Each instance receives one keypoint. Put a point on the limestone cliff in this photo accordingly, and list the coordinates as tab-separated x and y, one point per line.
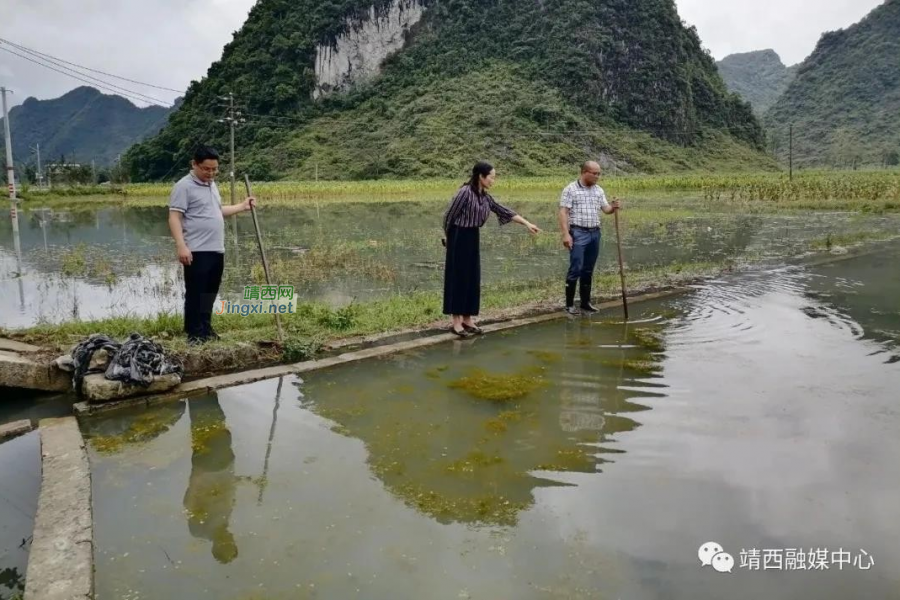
356	55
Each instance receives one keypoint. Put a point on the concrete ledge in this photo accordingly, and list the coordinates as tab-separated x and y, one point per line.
61	561
19	371
191	388
16	428
205	386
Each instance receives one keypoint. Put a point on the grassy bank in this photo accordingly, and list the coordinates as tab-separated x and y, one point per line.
313	325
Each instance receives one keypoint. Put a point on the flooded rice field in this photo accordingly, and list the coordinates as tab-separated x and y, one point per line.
83	264
582	458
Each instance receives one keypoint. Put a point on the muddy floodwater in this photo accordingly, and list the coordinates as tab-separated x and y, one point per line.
580	458
91	263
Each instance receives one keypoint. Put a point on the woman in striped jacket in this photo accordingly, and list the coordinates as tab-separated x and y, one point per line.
468	212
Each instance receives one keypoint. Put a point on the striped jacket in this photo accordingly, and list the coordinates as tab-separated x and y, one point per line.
471	209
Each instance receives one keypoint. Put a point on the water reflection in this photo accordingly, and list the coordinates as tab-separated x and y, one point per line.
12	583
112	433
471	440
209	499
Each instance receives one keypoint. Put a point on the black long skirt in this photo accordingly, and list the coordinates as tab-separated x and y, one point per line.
462	271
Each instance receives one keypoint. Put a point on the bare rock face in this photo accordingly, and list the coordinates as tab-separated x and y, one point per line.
97	388
357	55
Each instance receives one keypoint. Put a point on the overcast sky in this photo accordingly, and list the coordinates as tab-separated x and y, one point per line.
169	42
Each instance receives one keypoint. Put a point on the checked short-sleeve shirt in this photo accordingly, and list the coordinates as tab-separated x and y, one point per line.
584	204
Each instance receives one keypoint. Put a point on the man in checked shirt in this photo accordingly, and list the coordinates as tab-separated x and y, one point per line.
579	221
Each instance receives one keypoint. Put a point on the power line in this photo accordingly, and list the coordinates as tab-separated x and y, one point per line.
110	87
105	85
82	67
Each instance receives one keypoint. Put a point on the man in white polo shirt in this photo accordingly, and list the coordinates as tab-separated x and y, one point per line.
579	221
197	223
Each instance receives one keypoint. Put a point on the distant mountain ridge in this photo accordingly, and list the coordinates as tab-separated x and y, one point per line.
844	104
83	124
758	77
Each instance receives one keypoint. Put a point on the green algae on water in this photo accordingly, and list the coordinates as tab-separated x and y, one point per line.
474	460
649	340
569	460
493	509
143	428
642	367
500	423
500	387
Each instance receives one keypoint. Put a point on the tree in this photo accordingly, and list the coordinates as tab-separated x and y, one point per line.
892	158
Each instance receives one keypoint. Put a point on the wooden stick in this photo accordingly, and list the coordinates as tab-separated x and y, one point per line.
262	253
621	266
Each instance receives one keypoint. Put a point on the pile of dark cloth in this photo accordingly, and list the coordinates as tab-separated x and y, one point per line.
136	361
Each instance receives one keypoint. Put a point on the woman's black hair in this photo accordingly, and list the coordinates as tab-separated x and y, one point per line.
481	169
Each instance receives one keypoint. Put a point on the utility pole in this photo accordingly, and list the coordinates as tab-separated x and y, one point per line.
11	182
40	172
791	154
231	142
93	173
232	119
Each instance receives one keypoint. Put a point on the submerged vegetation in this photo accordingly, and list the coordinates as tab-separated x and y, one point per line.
498	387
459	461
134	429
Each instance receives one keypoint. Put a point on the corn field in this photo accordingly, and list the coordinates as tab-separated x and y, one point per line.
880	186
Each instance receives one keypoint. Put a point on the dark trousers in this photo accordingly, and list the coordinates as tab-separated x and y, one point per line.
583	256
462	272
201	286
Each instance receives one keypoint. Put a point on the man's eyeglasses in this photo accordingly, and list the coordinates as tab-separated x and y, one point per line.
210	170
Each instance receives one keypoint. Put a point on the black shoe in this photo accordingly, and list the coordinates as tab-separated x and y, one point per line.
573	311
463	334
194	340
589	308
474	329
